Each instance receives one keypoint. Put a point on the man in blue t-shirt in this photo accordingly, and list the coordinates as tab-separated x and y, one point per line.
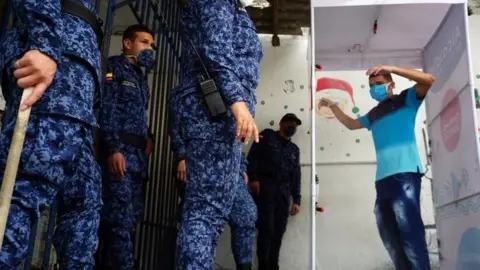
399	169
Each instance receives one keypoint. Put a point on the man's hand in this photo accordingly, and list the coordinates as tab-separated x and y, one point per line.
117	164
149	148
327	102
295	209
182	171
245	177
246	127
254	187
37	70
379	70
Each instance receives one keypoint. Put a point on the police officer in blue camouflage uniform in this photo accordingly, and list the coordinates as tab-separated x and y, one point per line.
274	171
243	215
227	44
126	144
57	53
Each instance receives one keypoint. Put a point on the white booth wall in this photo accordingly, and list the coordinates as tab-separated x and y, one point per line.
347	237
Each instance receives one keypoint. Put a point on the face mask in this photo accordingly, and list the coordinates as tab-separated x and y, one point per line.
379	92
246	3
145	58
290	131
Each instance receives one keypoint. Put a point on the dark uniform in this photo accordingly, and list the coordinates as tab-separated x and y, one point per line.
124	126
57	156
225	37
275	163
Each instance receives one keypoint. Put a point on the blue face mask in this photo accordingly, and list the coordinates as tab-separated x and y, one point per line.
379	92
145	58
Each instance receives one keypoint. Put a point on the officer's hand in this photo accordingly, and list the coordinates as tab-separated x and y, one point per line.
295	209
245	177
246	127
117	164
182	171
326	102
149	148
254	187
34	69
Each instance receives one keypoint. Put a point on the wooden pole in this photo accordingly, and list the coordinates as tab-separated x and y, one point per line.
11	167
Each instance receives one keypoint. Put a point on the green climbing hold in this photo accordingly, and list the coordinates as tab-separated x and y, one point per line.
357	140
477	98
285	107
363	86
355	110
478	76
272	123
322	148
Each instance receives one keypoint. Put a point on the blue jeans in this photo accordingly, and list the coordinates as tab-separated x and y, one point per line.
399	220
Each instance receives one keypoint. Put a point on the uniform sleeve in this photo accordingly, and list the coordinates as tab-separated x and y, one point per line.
109	114
176	135
244	164
411	99
216	20
297	180
45	26
364	121
254	158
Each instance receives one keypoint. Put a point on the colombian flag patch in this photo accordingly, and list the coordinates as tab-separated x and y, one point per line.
109	77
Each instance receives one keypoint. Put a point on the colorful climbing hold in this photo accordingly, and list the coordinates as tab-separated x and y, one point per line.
272	123
322	148
262	102
285	107
302	109
363	86
348	154
478	76
357	140
301	86
308	132
355	110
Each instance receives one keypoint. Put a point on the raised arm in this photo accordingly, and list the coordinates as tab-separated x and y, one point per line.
343	118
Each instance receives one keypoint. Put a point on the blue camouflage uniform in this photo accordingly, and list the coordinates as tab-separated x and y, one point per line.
124	112
226	38
57	157
242	219
275	163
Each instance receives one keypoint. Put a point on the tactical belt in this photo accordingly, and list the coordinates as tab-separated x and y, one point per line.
134	140
77	9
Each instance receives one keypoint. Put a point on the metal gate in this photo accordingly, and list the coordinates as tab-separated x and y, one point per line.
155	236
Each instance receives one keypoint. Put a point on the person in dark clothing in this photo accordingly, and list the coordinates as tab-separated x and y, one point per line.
274	173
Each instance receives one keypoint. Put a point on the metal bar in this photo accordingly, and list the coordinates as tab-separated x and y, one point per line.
31	245
124	3
50	234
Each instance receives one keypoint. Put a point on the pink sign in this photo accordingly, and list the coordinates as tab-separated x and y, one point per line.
451	120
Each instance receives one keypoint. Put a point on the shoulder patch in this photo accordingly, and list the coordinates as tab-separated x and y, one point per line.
109	76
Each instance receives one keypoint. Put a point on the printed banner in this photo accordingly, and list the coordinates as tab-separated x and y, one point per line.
453	133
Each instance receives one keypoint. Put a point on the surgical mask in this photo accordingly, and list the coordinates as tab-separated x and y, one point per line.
246	3
379	92
290	131
144	58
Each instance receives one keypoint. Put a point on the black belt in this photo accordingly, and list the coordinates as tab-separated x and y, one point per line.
77	9
134	140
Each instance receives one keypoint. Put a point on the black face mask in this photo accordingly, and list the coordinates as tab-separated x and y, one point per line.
290	131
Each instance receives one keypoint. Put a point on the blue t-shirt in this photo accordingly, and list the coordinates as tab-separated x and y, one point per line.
392	123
